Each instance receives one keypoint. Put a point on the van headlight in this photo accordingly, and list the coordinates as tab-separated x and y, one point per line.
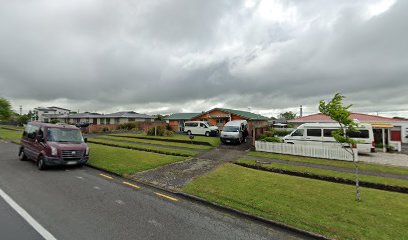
54	151
87	151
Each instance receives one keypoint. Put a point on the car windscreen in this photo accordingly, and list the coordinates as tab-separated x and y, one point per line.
230	129
64	135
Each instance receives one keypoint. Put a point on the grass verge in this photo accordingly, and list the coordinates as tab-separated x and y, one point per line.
362	166
326	208
10	134
157	142
124	161
161	150
328	173
213	141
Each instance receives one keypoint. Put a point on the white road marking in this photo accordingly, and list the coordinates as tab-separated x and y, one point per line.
24	214
154	223
120	202
79	177
97	188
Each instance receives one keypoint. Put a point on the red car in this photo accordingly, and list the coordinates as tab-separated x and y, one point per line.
53	145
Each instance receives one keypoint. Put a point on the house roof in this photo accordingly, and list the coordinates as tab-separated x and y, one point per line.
244	114
128	114
320	117
182	116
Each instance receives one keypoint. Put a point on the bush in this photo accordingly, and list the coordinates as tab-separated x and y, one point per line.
168	127
270	139
105	129
160	131
128	126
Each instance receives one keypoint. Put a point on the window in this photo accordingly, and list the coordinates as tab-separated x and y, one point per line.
108	121
116	120
328	132
220	121
314	132
359	134
298	133
203	125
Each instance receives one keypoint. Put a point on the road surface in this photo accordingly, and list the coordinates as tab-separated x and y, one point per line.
80	203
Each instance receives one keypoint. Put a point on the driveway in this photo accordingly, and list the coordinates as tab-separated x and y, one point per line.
176	176
394	159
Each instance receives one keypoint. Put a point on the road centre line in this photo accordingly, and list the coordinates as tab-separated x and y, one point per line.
27	217
165	196
132	185
106	176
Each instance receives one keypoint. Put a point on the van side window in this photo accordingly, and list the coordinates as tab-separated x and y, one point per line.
298	133
359	134
328	132
26	130
202	125
314	132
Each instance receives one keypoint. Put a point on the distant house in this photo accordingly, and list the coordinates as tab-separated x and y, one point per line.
217	117
43	114
394	129
104	119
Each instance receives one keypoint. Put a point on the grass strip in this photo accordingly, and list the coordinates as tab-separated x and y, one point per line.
211	141
10	134
383	183
125	161
322	207
157	142
362	166
161	150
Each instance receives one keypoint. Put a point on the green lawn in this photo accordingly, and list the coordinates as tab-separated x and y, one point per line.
126	161
145	147
330	173
337	163
318	206
10	134
158	142
214	141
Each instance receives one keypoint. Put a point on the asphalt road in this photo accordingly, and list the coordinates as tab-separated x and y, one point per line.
79	203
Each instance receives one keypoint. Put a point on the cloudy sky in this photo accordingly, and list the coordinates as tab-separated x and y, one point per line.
164	56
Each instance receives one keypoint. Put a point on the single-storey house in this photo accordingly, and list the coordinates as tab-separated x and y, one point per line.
393	129
104	119
218	117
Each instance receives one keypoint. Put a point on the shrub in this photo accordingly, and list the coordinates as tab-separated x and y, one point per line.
168	127
271	139
105	129
160	131
128	126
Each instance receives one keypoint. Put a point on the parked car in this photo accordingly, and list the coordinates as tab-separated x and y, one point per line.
53	144
82	124
235	131
322	133
200	128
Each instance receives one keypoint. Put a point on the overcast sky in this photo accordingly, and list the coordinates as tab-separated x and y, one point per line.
188	56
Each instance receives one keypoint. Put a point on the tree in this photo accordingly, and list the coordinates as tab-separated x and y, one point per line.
5	109
22	119
287	115
339	113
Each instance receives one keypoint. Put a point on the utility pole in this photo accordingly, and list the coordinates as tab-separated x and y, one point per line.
301	111
21	110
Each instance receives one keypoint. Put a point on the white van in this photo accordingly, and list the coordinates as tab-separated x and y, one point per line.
322	133
234	131
200	128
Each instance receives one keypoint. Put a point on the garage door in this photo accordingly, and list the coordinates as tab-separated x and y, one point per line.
396	136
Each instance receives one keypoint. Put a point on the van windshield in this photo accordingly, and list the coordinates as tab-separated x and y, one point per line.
230	129
64	135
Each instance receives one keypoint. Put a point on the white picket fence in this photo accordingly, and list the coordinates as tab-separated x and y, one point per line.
317	150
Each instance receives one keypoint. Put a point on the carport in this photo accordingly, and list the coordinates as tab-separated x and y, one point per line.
382	133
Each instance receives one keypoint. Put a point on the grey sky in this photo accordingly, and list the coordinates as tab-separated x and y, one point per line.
170	56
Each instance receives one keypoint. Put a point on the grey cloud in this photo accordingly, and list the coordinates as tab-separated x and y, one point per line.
107	55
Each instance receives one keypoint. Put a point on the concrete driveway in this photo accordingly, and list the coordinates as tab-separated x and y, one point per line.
394	159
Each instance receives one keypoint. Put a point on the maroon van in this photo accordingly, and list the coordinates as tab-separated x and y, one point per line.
53	145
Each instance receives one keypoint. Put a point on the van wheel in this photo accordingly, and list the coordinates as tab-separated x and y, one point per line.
207	134
188	132
22	156
41	163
